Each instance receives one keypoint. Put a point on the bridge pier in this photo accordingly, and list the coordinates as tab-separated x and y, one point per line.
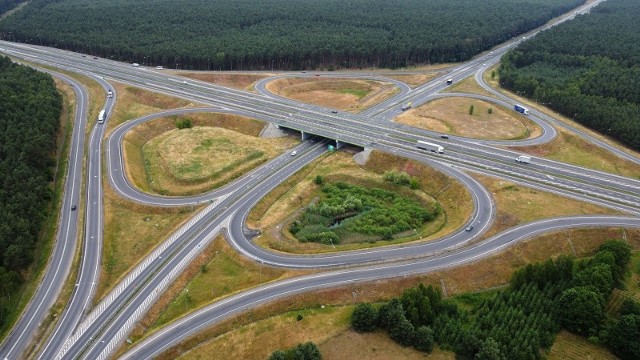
305	135
339	144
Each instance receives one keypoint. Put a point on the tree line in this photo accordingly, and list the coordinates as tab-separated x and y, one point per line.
520	321
6	5
30	108
587	69
278	34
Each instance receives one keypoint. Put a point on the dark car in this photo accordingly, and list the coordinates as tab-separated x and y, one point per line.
444	136
73	208
334	111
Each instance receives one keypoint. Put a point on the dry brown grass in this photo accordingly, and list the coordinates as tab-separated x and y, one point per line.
573	347
134	102
192	161
518	204
131	231
274	212
374	346
351	95
478	276
468	85
414	80
572	149
451	115
258	340
152	167
235	81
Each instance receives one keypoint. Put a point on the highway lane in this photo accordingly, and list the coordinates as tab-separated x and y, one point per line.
199	320
620	153
18	341
89	270
160	266
261	85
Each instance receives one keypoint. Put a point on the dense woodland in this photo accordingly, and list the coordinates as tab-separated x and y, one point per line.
278	34
30	109
587	69
520	321
6	5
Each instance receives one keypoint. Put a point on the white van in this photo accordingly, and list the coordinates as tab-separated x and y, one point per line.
136	64
158	67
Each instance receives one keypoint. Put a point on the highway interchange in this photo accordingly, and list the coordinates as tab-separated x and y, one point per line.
87	332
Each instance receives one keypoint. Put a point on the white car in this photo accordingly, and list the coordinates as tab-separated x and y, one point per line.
135	64
159	67
294	153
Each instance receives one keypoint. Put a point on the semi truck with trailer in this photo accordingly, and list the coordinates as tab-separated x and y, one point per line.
430	146
101	116
521	109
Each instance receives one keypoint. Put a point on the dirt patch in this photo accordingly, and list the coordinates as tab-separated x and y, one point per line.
350	95
415	80
235	81
452	116
374	346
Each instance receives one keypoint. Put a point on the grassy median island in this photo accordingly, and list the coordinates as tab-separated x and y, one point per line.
470	118
352	95
162	159
275	214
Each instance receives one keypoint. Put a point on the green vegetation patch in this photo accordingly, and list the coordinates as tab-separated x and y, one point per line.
279	34
344	210
521	320
586	69
29	123
356	92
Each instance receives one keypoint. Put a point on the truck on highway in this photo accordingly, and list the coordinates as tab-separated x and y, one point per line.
449	81
407	106
524	159
101	116
110	93
521	109
430	146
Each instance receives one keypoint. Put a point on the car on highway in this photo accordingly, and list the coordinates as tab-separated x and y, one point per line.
294	153
135	64
444	136
95	57
110	93
73	208
449	81
334	111
469	228
159	67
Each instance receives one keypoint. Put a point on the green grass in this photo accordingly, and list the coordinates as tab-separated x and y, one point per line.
358	93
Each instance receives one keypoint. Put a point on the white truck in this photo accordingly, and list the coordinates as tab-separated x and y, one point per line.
524	159
430	146
102	116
